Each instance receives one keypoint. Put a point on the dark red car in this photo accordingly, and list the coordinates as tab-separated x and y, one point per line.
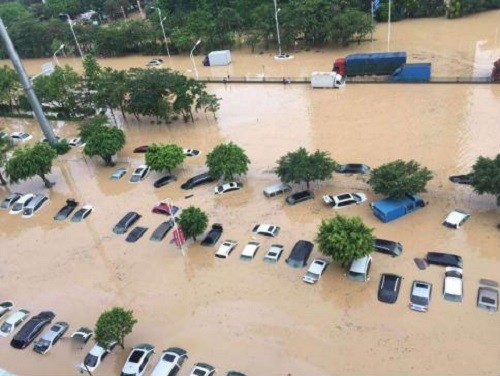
164	208
141	149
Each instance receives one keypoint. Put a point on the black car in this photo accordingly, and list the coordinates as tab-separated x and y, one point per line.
444	259
10	200
126	222
300	254
161	231
353	168
388	288
66	210
167	179
31	329
198	180
299	197
213	235
388	247
461	179
136	234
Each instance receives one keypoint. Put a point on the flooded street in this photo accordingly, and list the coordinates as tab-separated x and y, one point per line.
259	318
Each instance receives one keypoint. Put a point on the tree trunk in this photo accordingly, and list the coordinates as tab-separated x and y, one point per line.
46	181
194	238
191	114
123	112
107	160
2	179
122	340
498	199
307	182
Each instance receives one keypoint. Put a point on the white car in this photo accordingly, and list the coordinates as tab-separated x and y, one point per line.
82	335
21	204
456	219
139	173
315	270
344	199
77	141
202	369
273	254
138	360
50	337
154	63
34	205
453	289
226	248
18	137
13	321
267	230
191	152
170	362
228	187
249	251
5	307
95	356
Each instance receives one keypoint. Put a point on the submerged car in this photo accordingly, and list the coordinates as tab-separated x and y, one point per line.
345	199
388	247
462	179
167	179
13	321
266	230
202	369
353	168
161	231
18	137
95	356
77	141
82	213
126	222
21	203
165	208
82	335
213	235
226	248
118	173
198	180
50	338
170	362
487	298
10	200
273	254
5	307
444	259
35	205
136	234
388	288
191	152
154	62
299	197
138	360
31	329
228	187
420	296
315	271
139	173
66	210
300	254
141	149
456	219
249	251
453	289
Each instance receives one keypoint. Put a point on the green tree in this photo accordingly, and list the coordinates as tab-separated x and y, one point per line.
30	161
227	160
398	178
56	7
193	222
9	86
111	87
299	166
91	74
344	239
104	142
92	126
351	24
114	325
5	146
164	157
486	176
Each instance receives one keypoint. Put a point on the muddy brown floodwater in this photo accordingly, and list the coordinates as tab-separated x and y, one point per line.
258	318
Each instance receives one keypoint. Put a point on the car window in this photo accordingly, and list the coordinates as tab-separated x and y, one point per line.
344	203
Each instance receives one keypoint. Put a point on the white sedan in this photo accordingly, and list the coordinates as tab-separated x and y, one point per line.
273	254
228	187
170	362
249	251
95	357
344	199
138	360
267	230
453	290
18	137
456	219
139	173
315	271
226	248
191	152
77	141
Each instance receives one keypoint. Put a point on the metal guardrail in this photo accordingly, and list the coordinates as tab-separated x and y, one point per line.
352	80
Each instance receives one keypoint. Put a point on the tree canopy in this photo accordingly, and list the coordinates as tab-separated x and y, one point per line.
5	146
29	161
344	239
227	160
486	176
398	178
193	222
114	325
164	157
301	166
104	142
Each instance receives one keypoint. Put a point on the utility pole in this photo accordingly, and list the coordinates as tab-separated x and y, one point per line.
47	130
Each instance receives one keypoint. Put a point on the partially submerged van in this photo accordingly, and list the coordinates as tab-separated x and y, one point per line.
276	189
390	209
359	270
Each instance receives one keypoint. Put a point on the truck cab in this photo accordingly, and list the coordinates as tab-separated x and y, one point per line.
390	209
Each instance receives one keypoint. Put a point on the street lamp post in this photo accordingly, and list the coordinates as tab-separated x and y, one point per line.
73	31
192	57
276	10
163	29
55	55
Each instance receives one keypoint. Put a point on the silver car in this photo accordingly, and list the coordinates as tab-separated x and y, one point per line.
49	339
420	296
487	298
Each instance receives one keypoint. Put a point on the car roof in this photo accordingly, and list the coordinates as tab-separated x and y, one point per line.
488	292
359	265
250	248
453	285
317	265
16	316
455	217
393	203
97	349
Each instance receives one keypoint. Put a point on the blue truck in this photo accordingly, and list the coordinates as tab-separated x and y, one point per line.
419	72
378	63
390	209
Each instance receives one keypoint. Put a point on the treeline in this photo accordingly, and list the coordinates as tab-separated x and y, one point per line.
162	94
38	30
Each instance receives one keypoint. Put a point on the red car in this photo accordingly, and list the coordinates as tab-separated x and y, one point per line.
141	149
164	208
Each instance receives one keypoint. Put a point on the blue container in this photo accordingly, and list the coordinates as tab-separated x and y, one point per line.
390	209
380	63
420	72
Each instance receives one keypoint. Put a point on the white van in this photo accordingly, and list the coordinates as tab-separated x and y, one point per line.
360	269
276	189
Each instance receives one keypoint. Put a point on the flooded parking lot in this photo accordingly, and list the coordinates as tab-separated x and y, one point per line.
258	318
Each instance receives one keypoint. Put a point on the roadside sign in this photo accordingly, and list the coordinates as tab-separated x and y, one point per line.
179	237
47	68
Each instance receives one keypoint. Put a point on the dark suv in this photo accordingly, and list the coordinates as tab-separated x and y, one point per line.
213	235
299	197
198	180
126	222
444	259
31	329
300	254
388	247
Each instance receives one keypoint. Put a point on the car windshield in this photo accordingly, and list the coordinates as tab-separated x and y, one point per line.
17	206
453	297
90	360
245	258
199	372
169	358
28	211
344	196
311	275
43	343
487	300
356	276
357	197
418	300
5	327
138	171
135	356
